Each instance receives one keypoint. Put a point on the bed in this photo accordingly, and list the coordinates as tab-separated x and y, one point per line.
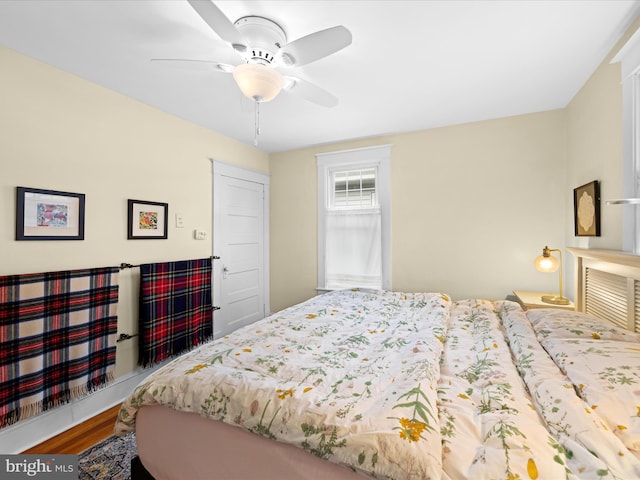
358	383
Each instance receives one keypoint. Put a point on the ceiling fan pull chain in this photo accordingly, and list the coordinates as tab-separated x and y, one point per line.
257	124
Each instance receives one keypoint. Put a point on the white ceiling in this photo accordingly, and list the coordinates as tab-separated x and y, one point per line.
412	64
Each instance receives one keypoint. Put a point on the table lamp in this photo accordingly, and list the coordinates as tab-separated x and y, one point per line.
548	263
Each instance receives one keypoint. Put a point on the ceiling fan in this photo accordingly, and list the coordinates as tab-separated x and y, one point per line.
262	45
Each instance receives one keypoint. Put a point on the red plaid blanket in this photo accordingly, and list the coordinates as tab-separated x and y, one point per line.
57	338
175	308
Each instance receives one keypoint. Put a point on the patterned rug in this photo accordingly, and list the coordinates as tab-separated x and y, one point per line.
108	460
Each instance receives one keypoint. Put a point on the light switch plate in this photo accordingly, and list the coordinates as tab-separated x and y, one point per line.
199	234
179	220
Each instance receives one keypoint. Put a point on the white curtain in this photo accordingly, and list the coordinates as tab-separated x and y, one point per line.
353	249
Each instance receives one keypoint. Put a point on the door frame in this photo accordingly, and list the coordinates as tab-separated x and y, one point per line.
222	169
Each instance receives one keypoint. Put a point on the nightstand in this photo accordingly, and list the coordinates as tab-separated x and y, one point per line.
529	300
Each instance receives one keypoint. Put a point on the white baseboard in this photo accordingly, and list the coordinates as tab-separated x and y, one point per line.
32	431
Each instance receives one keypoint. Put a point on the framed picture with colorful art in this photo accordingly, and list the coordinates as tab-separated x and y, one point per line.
147	220
49	214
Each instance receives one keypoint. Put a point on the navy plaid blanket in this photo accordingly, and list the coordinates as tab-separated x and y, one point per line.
57	338
175	308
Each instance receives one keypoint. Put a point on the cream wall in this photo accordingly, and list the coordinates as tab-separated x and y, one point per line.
594	139
472	205
60	132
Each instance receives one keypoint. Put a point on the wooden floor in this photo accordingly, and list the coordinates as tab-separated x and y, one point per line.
80	437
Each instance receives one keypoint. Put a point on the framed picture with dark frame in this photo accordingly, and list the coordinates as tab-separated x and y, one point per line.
586	210
147	220
49	214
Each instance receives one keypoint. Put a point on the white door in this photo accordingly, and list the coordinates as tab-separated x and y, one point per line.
240	221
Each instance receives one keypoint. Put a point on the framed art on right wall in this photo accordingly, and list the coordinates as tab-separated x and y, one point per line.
586	210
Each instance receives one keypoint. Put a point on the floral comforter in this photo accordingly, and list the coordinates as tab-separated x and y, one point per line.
490	427
415	386
584	376
349	376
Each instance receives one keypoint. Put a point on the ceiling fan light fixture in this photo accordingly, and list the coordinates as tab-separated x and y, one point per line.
258	82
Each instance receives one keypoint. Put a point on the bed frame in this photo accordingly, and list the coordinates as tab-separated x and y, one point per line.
608	285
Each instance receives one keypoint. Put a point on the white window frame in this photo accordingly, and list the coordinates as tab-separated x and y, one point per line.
629	58
378	157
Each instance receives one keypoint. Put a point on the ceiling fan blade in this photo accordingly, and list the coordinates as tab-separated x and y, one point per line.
218	21
315	46
310	92
193	64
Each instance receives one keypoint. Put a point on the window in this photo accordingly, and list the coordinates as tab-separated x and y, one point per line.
631	137
629	57
354	219
354	189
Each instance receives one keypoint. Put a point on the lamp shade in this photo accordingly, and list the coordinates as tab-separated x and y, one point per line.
258	82
546	263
